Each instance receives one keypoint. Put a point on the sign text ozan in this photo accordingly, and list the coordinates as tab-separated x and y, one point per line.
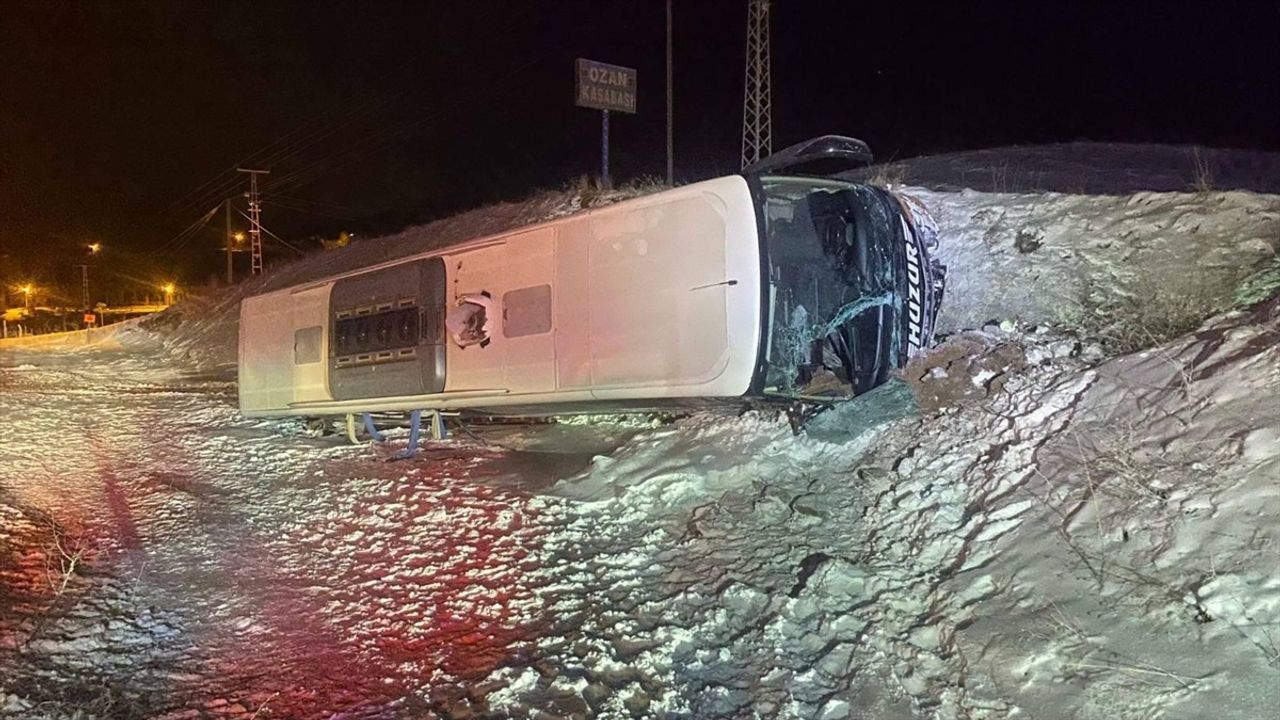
606	87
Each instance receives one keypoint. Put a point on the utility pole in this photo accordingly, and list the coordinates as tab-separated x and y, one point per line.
227	204
671	151
91	249
757	124
255	216
84	286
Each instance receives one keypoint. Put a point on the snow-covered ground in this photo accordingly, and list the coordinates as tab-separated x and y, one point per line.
1034	523
1087	168
1091	261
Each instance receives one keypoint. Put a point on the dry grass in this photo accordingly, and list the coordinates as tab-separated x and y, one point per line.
1126	320
1000	182
590	195
888	175
1202	170
1096	657
1260	286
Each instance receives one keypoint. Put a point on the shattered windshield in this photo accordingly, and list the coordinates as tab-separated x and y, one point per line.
833	291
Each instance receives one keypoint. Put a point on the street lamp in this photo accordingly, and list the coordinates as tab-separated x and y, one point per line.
169	289
93	248
27	290
235	241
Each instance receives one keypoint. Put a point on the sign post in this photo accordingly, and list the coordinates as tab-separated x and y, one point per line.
605	87
604	149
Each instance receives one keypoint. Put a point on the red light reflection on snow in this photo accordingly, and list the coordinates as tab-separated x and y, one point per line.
414	591
390	594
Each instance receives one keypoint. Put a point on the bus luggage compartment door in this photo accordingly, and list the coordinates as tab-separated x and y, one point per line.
388	332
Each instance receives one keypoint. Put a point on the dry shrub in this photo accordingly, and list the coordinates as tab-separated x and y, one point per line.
1123	320
1202	170
889	175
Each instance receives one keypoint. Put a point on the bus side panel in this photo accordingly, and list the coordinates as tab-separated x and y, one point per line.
311	344
517	275
266	353
675	295
474	272
527	303
573	307
658	294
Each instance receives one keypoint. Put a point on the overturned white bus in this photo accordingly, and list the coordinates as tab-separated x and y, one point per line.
764	286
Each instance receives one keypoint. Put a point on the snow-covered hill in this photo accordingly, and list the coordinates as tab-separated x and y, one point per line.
1156	262
1059	540
1087	168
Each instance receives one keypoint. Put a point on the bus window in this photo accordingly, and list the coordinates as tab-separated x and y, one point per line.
835	286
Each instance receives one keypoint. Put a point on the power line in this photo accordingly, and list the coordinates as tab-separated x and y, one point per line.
296	140
362	148
297	145
323	204
308	135
304	211
186	234
301	140
284	242
281	240
306	174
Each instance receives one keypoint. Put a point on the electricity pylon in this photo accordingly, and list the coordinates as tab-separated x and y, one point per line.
255	218
757	125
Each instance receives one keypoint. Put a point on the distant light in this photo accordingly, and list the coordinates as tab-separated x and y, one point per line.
26	289
94	248
239	237
168	288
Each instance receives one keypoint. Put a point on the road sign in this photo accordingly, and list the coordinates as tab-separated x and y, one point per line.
606	87
90	319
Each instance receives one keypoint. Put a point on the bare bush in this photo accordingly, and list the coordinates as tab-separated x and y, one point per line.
1202	170
889	174
64	554
1000	178
1126	320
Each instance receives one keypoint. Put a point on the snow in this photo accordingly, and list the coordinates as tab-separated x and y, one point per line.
1091	253
934	579
1029	523
1087	168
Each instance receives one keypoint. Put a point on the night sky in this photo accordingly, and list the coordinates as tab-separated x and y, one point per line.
120	121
